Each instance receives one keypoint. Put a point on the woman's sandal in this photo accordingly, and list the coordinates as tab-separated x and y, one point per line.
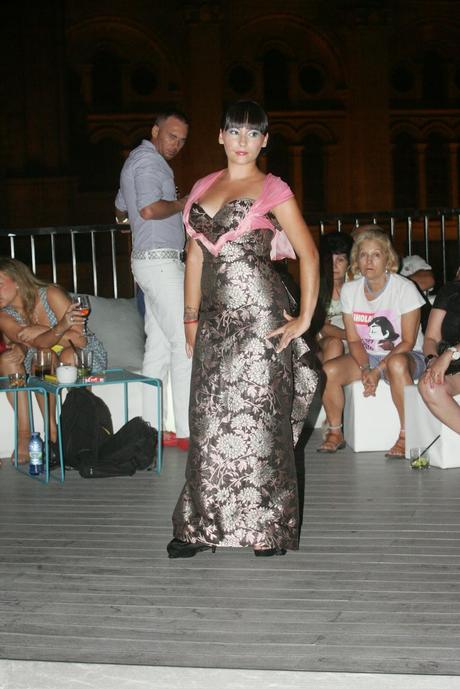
23	457
330	446
398	451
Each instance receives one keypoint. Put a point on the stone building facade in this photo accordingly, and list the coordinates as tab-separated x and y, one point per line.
363	98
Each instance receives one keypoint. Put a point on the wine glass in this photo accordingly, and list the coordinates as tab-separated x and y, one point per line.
84	308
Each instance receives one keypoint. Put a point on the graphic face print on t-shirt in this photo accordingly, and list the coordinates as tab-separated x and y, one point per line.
379	330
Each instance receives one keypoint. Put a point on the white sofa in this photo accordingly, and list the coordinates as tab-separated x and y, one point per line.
117	323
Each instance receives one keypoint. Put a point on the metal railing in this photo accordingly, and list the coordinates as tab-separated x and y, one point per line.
433	233
81	258
95	258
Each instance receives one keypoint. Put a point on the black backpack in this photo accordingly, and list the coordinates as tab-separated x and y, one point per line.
130	449
86	423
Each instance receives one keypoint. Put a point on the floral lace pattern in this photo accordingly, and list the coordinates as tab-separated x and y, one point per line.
247	402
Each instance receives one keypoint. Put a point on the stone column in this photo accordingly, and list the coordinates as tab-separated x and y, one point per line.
203	88
369	158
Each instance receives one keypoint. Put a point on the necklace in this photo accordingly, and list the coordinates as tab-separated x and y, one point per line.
378	292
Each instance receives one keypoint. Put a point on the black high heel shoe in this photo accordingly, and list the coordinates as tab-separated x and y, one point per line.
268	552
177	548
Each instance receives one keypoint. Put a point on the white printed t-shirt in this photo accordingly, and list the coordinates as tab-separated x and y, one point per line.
378	322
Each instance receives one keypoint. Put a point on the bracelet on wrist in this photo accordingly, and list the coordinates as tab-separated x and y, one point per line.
192	321
365	367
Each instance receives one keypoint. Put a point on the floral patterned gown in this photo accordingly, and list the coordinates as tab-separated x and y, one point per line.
247	402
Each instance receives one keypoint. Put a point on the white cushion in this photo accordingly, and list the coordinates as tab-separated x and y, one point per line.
119	326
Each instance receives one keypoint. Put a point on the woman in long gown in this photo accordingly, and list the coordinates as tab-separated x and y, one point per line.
250	390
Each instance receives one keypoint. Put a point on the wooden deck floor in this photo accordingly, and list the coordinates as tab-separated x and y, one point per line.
375	586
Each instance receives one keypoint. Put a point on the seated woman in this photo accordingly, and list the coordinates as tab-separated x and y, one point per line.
334	251
439	384
381	312
37	315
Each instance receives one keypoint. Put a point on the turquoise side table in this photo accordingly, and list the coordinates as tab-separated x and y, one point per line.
33	385
113	376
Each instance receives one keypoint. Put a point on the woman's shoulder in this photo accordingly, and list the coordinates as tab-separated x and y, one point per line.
352	285
403	283
53	294
199	188
447	293
452	287
276	183
406	290
274	192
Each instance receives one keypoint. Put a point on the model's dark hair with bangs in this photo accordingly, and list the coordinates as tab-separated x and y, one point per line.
245	113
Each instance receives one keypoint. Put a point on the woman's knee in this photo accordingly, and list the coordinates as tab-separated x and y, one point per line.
67	356
332	347
398	366
336	370
433	394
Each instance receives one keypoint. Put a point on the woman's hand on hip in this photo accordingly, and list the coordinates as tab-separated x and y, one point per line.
295	327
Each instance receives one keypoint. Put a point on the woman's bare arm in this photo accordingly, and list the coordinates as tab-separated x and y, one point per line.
293	224
192	293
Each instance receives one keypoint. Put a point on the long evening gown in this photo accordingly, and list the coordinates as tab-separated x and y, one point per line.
247	402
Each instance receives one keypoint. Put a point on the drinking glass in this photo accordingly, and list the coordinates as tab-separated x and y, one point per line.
84	308
418	460
84	363
42	363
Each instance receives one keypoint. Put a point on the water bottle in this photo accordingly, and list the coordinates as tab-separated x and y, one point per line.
35	454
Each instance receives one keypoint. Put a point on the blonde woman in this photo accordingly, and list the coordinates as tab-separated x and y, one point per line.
37	315
381	313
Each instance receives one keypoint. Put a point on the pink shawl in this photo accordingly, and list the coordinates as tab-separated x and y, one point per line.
274	192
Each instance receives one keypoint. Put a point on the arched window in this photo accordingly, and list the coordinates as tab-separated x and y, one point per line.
405	176
437	171
144	81
106	82
278	157
276	80
314	197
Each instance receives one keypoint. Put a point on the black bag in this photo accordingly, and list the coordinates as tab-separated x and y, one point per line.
86	423
130	449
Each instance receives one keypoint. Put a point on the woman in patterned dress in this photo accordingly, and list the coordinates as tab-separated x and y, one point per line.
250	389
37	315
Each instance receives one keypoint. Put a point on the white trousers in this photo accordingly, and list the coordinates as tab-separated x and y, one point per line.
162	282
